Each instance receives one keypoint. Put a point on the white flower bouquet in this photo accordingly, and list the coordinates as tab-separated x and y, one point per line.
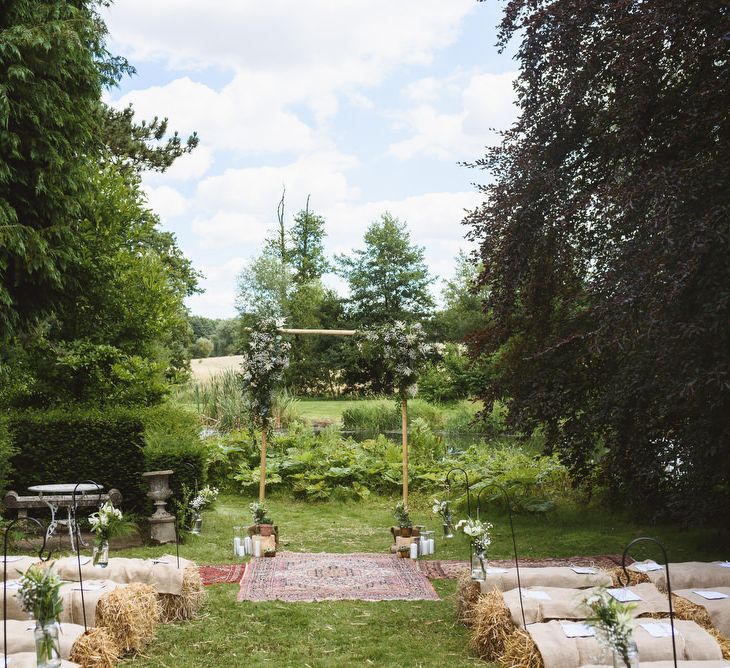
207	496
478	531
612	621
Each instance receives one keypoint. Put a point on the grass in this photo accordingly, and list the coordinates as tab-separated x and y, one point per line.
365	633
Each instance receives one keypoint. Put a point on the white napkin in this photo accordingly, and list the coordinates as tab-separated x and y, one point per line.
724	564
659	630
646	568
578	630
623	595
583	570
709	595
537	595
494	571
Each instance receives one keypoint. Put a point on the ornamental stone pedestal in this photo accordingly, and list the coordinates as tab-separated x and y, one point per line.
162	523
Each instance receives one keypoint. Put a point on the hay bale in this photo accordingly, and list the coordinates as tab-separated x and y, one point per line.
175	608
467	594
95	649
684	609
520	651
491	625
722	641
131	615
618	576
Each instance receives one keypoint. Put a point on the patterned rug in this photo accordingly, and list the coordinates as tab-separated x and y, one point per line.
223	574
301	576
438	570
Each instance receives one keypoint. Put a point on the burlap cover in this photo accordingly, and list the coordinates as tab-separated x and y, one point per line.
570	603
548	576
163	578
21	638
690	575
718	609
28	660
16	568
558	651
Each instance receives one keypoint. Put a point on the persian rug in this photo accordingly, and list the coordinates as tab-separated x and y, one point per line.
223	574
449	569
294	576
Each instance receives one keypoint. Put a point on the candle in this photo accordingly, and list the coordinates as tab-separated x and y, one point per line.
431	545
247	546
414	550
256	547
423	545
241	550
237	546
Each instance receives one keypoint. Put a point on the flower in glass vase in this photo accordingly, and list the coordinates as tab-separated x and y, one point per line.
612	621
40	597
107	523
443	508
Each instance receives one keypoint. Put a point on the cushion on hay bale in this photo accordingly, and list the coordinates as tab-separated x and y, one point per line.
558	651
28	660
718	610
21	638
164	578
570	603
17	565
186	605
690	575
549	576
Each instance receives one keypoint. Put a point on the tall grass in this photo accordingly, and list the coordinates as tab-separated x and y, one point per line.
385	415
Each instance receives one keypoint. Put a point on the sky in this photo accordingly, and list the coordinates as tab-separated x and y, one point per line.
366	107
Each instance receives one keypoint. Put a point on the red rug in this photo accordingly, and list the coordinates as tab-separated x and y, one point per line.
295	576
223	574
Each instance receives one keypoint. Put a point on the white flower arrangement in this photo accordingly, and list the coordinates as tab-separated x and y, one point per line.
612	621
105	521
478	531
205	497
442	508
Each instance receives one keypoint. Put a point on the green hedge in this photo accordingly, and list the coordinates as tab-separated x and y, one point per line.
113	447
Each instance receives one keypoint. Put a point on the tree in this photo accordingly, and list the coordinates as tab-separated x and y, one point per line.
53	66
203	347
604	242
263	288
388	279
306	254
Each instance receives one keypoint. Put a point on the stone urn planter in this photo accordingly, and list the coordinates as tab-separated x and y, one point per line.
162	523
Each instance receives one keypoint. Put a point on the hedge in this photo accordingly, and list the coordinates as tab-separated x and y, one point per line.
113	447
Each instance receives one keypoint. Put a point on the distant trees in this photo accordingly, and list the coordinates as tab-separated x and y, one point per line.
604	243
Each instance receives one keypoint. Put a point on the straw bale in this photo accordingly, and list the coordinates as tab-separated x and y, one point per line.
635	577
684	609
491	625
520	651
95	649
467	594
185	606
131	615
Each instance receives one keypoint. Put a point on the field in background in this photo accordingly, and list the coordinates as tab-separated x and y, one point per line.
205	367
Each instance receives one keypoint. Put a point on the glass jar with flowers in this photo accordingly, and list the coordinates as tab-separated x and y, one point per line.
478	532
612	620
40	597
107	523
443	508
205	498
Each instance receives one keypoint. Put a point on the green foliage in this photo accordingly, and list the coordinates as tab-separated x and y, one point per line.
40	595
306	254
74	444
202	347
222	402
604	242
386	416
402	516
7	450
172	441
449	378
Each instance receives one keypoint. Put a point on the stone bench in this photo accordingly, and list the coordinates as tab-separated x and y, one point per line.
13	500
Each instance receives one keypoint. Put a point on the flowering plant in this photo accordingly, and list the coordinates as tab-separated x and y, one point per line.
264	361
478	531
259	513
39	594
612	621
442	508
205	497
403	350
402	516
108	522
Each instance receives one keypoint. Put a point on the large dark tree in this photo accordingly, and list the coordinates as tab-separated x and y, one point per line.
605	240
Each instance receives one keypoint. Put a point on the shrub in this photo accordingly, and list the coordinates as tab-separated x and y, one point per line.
386	416
75	444
6	453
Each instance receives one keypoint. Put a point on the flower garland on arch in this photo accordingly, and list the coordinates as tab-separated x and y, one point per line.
265	359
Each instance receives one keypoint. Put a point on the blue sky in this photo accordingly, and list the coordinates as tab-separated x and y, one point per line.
365	106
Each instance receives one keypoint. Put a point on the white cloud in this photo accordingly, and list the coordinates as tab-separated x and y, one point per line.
486	104
166	201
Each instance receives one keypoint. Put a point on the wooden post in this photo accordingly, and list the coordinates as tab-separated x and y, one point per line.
404	427
262	478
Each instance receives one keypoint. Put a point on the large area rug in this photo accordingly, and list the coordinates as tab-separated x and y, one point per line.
301	576
222	574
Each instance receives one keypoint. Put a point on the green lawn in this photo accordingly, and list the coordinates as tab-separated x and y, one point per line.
362	633
329	409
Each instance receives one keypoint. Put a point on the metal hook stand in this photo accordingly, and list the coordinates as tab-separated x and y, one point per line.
5	572
669	586
458	469
508	501
177	542
78	540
